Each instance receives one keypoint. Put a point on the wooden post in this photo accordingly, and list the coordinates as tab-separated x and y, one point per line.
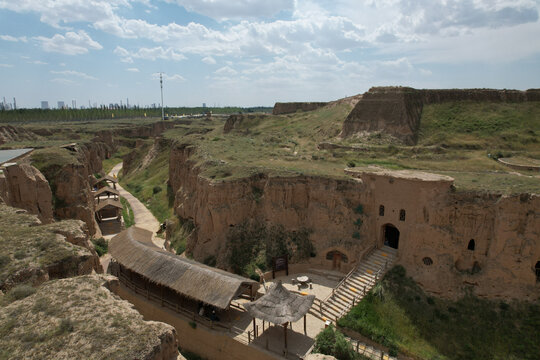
357	345
263	325
254	329
305	327
382	355
364	289
249	337
285	337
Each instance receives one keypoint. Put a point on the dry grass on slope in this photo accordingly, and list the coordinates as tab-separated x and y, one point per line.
78	318
29	248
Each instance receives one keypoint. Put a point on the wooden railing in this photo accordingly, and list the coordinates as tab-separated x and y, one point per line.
172	305
349	274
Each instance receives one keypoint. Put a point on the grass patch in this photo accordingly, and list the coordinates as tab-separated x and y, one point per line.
115	159
398	314
455	137
101	246
332	342
127	213
144	185
25	245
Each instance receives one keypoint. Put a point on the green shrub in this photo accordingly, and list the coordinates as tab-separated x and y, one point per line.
332	342
359	209
65	326
156	189
351	164
4	260
19	254
20	292
356	235
101	245
193	324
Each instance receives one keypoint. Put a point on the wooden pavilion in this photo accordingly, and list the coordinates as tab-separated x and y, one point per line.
108	208
281	307
105	181
106	191
181	284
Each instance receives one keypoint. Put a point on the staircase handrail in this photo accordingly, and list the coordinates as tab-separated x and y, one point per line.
349	274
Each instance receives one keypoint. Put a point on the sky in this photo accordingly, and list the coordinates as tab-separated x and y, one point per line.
258	52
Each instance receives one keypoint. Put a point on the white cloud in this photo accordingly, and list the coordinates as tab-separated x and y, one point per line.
239	9
58	12
135	70
226	70
63	81
6	65
208	60
71	44
171	78
123	54
13	39
149	54
37	62
73	73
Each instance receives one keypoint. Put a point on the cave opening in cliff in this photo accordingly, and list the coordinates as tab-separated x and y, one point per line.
391	236
537	270
471	245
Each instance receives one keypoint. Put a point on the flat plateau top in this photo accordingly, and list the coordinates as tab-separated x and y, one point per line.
399	174
7	155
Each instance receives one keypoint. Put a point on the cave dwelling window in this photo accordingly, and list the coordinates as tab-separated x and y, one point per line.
537	271
401	215
427	261
471	245
381	210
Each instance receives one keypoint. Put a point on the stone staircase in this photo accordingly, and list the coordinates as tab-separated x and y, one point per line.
355	285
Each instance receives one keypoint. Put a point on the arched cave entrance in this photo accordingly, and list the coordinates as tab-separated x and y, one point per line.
336	257
391	236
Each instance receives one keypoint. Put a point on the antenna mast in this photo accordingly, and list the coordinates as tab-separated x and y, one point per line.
161	84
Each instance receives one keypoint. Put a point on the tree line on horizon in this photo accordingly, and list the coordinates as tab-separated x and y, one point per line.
36	115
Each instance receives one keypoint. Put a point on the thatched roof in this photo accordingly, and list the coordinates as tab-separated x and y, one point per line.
105	190
279	305
108	178
108	202
132	249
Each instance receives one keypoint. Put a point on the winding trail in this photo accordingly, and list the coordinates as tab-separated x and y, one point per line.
143	217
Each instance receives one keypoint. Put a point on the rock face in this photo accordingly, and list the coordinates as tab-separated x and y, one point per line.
437	223
25	187
292	107
233	121
98	325
397	110
38	252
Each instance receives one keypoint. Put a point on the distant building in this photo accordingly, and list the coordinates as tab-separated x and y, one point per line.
44	105
203	105
61	105
73	104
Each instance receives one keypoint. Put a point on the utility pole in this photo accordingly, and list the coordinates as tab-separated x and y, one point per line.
161	84
14	104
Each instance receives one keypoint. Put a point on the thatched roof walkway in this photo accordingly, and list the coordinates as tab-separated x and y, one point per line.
133	249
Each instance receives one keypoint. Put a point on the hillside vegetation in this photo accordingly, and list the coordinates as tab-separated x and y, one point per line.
398	314
460	139
27	247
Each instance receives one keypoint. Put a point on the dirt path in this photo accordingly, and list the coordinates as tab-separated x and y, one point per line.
143	217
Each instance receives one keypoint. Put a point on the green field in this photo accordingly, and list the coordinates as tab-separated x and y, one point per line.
399	315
